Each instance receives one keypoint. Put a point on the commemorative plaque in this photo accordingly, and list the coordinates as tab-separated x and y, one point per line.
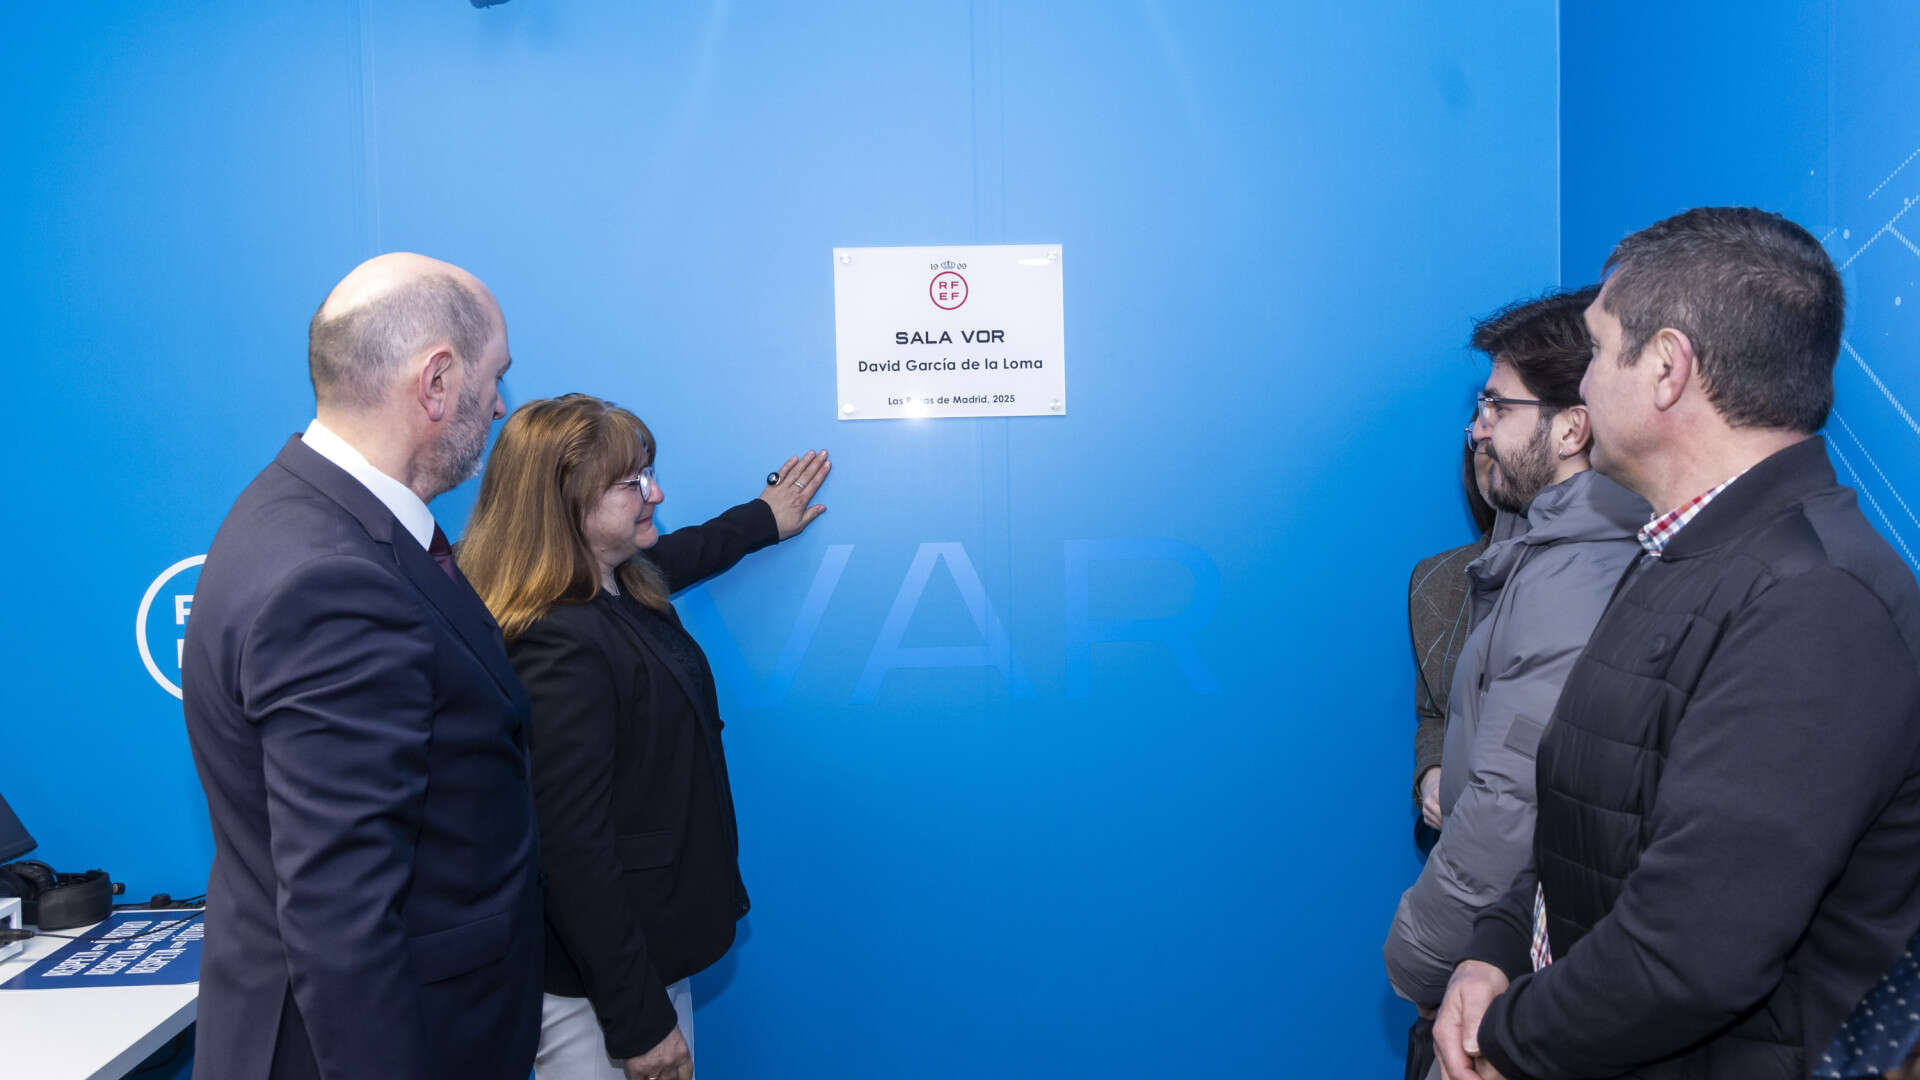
930	332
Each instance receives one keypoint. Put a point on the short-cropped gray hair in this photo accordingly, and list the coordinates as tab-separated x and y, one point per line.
352	356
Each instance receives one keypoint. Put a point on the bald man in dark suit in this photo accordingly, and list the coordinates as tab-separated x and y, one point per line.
373	908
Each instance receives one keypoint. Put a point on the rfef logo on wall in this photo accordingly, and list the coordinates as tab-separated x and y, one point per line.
160	627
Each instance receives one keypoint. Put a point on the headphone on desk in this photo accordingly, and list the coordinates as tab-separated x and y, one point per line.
54	901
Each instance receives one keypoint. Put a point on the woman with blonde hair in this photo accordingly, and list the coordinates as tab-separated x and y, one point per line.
637	834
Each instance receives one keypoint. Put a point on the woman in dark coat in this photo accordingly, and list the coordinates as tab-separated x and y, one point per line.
637	836
1437	617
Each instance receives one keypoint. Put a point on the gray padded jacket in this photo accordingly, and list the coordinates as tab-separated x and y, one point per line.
1536	598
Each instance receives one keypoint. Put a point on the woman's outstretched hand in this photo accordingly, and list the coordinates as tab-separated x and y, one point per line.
791	491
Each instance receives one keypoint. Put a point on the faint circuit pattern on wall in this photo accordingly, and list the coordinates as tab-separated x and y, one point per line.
1847	463
1880	360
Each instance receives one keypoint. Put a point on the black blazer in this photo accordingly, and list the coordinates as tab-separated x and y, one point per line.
373	907
636	818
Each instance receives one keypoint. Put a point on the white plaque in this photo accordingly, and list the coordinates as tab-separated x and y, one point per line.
949	331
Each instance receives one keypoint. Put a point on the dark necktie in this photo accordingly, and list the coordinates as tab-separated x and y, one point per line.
442	553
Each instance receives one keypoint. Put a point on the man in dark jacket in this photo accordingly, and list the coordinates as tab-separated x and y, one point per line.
1728	838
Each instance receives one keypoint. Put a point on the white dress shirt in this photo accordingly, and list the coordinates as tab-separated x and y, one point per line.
396	496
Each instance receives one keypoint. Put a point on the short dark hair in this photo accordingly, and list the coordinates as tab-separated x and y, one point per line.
1544	340
1755	294
352	355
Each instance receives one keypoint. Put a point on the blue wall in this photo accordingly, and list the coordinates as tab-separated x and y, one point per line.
1796	106
1179	850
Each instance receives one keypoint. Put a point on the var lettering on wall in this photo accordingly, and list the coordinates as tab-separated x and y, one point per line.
1174	633
160	624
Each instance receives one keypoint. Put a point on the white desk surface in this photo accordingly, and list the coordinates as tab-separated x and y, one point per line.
86	1033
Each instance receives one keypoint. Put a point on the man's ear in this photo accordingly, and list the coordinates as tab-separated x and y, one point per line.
1573	431
1675	367
434	387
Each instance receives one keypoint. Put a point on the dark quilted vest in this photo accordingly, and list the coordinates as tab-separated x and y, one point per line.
1601	761
1678	624
1600	764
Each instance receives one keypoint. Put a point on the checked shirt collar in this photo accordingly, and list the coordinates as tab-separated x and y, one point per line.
1655	535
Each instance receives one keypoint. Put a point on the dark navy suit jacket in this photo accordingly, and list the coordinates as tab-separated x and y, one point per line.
373	909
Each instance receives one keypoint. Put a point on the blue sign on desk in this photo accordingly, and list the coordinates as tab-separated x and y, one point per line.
132	948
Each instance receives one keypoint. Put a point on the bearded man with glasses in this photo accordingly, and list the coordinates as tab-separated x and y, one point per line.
1535	598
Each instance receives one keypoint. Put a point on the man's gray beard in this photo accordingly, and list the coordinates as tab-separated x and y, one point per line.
456	458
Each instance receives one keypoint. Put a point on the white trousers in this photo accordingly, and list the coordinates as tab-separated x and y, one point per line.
572	1046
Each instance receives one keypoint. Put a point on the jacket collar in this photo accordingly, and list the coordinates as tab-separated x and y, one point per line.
1786	477
1583	507
622	608
454	600
339	485
394	495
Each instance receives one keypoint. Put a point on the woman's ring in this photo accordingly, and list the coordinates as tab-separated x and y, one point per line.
773	478
797	483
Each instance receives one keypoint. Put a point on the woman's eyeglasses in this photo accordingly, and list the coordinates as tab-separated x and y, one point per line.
643	482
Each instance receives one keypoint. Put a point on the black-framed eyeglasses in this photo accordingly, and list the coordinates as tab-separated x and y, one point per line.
642	481
1483	404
